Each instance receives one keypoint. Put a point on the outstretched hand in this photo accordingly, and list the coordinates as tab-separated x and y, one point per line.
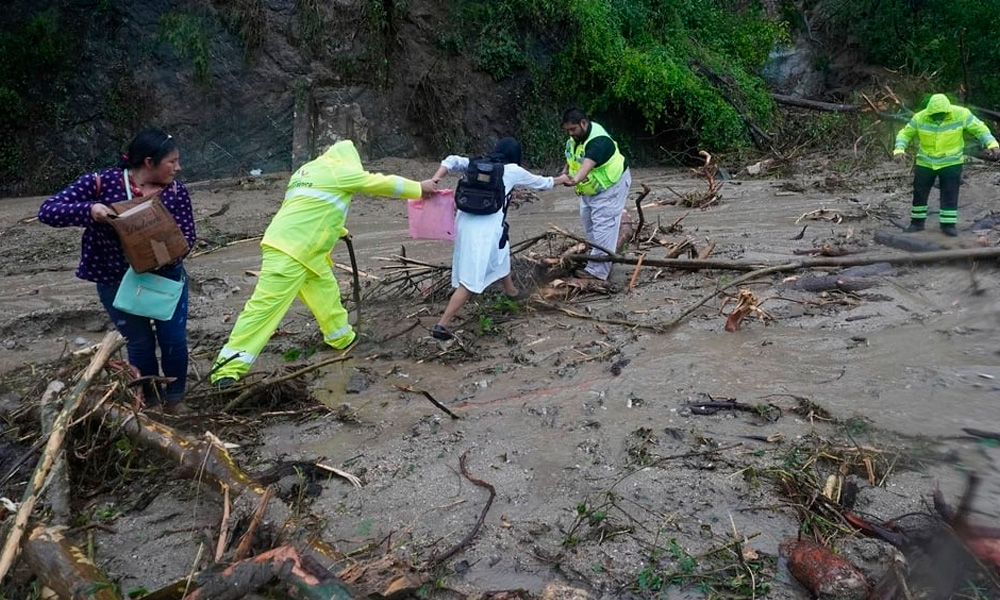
428	187
560	180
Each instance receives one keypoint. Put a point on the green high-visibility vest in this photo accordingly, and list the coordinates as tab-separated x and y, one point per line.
600	177
943	144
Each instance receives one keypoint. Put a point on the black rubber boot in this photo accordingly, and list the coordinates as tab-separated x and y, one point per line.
914	226
949	230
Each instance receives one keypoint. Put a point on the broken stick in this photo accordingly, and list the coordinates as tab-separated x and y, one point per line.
60	427
357	281
427	395
636	235
440	558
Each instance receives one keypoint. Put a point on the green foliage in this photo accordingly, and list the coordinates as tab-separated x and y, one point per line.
384	17
121	107
310	20
687	63
491	310
500	56
248	20
35	61
952	42
187	34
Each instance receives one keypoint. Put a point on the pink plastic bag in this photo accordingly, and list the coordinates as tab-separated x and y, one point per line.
433	218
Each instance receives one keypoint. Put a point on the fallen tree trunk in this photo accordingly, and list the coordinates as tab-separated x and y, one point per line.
207	460
834	107
853	279
60	427
805	263
814	104
902	241
64	568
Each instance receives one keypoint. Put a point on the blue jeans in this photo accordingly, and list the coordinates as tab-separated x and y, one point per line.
142	335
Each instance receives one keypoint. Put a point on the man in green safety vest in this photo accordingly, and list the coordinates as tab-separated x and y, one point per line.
941	130
600	174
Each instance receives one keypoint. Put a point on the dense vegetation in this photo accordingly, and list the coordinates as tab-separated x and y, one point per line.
691	67
685	66
950	43
667	76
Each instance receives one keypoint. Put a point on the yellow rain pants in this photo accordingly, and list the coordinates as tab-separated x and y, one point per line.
282	278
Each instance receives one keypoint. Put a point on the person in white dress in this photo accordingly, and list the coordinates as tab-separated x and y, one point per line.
480	257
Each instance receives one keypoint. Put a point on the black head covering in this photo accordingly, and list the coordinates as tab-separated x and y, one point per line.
509	150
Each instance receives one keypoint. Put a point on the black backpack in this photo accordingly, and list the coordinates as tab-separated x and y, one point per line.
480	191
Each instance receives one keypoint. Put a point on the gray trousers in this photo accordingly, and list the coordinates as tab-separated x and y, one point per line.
601	217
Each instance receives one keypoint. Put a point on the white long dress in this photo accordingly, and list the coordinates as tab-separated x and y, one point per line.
478	260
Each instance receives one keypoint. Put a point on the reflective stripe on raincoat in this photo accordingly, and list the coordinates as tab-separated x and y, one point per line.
943	144
312	217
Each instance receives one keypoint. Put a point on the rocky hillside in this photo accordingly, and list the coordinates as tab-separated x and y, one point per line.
243	84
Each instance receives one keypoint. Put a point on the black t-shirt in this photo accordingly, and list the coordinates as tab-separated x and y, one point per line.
600	149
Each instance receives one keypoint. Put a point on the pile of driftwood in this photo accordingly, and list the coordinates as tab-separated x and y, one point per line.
260	540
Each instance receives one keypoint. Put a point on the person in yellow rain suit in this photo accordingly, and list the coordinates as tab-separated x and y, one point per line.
296	255
941	129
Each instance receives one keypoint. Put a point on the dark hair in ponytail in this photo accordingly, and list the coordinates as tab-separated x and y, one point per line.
152	143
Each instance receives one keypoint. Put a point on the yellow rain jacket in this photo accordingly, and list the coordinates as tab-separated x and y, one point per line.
943	144
312	217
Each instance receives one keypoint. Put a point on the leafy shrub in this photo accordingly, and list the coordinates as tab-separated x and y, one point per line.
950	41
687	63
187	34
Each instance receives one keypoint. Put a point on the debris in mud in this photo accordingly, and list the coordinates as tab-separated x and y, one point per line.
903	241
822	214
853	279
360	380
825	574
770	412
618	366
747	303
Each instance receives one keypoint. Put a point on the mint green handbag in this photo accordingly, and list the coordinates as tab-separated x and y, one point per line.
148	295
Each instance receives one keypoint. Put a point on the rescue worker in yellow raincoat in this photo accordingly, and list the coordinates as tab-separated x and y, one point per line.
296	255
941	130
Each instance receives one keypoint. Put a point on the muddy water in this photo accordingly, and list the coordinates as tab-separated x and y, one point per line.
548	424
918	358
921	361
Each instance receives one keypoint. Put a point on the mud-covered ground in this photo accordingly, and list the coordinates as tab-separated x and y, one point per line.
604	480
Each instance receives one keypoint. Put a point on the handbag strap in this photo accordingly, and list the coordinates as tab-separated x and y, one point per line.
128	188
97	185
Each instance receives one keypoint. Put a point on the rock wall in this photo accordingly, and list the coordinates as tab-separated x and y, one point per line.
319	69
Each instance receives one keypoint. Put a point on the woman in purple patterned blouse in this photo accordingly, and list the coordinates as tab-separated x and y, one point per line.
150	166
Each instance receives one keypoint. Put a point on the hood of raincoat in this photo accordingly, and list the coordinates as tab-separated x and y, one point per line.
345	153
938	104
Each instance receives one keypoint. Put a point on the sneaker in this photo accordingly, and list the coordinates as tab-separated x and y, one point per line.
178	409
224	384
914	227
439	332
